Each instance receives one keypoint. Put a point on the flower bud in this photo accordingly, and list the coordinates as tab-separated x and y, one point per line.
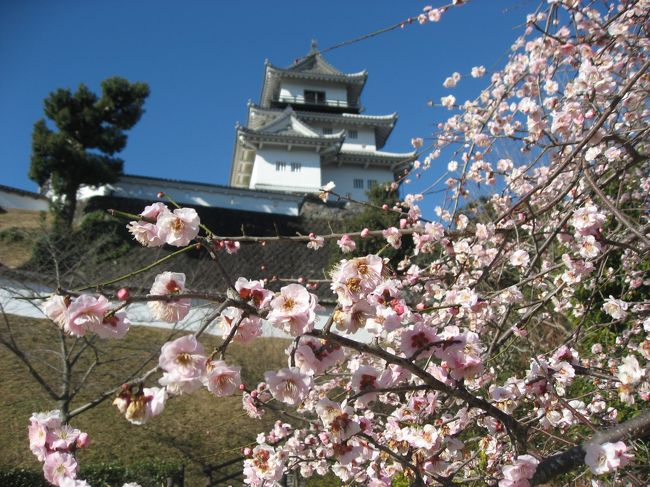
123	294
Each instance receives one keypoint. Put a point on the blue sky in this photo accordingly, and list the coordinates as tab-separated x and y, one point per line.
204	59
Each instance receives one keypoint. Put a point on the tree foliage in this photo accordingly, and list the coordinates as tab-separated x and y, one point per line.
90	130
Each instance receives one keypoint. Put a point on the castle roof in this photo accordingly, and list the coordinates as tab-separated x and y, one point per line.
288	129
383	124
312	67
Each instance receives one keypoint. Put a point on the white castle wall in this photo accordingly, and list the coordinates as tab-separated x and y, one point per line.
265	175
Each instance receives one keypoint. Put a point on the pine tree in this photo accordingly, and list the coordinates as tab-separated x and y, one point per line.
90	130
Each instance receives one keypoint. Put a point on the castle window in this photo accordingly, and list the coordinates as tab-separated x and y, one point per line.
317	97
358	183
327	130
353	134
280	166
372	183
296	166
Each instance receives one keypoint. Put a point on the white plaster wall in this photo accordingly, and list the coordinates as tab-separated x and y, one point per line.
23	202
344	177
297	89
264	175
196	196
365	140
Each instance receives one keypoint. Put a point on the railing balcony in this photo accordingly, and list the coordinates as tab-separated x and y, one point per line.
316	103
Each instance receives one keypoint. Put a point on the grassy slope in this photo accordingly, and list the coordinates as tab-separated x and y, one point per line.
24	226
195	430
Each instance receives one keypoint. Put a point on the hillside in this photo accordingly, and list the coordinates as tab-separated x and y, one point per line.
196	431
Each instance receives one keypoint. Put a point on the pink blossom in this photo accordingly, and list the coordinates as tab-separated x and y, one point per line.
38	436
418	339
478	71
518	475
138	408
221	379
63	437
364	233
346	244
393	237
250	406
231	247
59	465
183	362
630	372
253	292
615	308
56	308
337	419
448	101
169	283
315	356
85	313
145	233
264	467
293	310
248	329
288	385
606	457
325	191
114	325
178	228
315	242
519	258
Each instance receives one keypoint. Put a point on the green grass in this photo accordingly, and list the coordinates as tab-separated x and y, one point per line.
195	430
18	231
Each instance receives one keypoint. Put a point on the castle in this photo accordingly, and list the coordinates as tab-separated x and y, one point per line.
307	129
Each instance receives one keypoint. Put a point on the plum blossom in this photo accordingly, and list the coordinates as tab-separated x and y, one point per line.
178	228
346	244
221	379
264	467
519	474
145	231
325	191
293	310
169	284
248	328
478	71
630	372
288	385
337	419
420	339
315	356
114	325
56	308
615	308
315	242
59	465
606	457
393	236
253	292
184	362
142	405
519	258
85	313
448	101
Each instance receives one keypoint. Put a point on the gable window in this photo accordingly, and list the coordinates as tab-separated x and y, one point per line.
353	134
317	97
296	166
358	183
327	130
280	166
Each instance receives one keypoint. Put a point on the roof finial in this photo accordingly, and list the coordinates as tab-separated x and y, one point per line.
314	47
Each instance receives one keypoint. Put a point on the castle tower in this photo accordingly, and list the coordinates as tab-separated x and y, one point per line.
308	129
